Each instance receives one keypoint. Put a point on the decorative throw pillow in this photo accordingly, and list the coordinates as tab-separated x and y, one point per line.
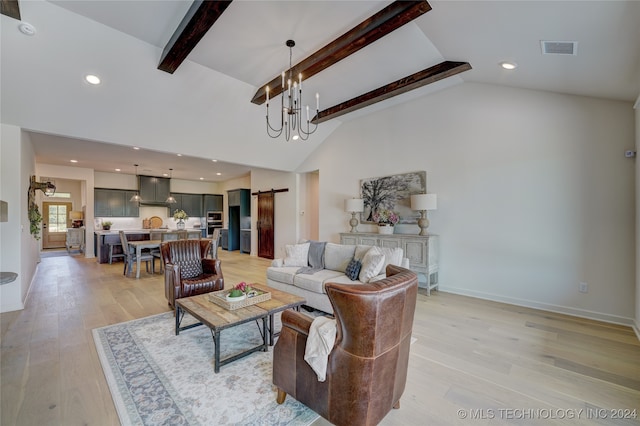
190	268
353	269
392	256
296	254
372	263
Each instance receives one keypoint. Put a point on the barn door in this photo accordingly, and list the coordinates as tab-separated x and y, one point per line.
265	224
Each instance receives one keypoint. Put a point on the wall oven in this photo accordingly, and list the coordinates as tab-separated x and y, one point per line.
214	220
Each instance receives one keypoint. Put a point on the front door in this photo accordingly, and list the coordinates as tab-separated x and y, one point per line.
265	225
55	218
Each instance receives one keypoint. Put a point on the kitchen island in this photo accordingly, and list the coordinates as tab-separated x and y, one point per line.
102	240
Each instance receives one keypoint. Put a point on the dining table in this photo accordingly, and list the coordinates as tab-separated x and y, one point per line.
144	244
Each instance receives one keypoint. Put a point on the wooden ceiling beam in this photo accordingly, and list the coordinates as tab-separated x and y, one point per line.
10	8
398	87
199	18
377	26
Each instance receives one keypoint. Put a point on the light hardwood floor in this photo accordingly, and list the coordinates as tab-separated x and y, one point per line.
474	362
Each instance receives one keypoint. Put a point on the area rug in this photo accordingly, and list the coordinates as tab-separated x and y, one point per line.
158	378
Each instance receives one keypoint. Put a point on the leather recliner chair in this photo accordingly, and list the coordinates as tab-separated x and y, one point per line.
188	271
367	367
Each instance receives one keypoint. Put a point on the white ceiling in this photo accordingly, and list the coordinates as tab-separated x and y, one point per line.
203	110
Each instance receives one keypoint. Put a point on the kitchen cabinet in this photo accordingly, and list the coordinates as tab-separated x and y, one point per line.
154	190
224	239
114	203
245	241
213	203
190	203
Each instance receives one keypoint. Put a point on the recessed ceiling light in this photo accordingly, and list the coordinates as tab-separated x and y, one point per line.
508	65
117	170
201	178
215	161
27	29
165	174
218	174
136	148
92	79
179	155
73	161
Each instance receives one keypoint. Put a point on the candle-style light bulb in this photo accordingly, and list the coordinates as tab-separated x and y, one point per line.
289	81
267	90
283	81
318	101
300	81
307	114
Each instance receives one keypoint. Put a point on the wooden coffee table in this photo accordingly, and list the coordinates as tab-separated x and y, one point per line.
218	318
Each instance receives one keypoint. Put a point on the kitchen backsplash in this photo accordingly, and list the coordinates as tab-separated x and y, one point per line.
147	212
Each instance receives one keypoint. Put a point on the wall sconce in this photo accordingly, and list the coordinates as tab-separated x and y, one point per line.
47	187
422	203
353	206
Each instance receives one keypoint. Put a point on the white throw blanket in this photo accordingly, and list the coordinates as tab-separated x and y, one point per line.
322	336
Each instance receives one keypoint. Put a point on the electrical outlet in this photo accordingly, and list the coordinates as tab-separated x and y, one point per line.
583	287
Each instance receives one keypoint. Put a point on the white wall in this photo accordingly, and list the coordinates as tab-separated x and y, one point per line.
637	298
534	192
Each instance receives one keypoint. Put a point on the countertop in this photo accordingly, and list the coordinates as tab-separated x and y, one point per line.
141	231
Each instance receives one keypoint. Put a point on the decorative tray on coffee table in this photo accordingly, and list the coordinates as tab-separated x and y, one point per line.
220	298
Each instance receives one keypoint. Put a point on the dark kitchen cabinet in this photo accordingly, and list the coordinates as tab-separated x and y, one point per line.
114	203
190	203
154	190
245	241
213	203
224	239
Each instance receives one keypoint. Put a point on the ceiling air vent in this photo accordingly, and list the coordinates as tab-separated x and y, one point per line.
559	47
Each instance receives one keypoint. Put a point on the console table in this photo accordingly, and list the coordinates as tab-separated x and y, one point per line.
421	250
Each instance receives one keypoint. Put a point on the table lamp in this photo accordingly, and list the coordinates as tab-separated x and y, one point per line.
353	206
422	203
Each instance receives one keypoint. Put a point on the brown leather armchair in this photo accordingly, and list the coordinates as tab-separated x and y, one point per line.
367	368
187	271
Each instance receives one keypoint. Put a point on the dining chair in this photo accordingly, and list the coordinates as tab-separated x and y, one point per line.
156	235
130	256
215	242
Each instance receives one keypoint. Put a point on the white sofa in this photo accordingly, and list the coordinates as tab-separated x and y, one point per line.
287	274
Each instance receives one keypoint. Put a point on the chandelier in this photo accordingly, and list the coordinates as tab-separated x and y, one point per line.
291	122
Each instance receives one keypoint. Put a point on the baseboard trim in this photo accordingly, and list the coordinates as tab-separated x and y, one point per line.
582	313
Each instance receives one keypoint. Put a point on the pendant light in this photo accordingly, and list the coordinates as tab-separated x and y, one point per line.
136	198
170	199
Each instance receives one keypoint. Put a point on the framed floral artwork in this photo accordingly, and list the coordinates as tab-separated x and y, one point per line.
392	193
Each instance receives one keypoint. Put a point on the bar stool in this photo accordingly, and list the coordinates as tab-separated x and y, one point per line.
116	255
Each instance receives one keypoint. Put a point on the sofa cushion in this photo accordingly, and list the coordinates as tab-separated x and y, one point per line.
353	269
296	254
315	282
338	256
372	263
392	256
361	250
284	274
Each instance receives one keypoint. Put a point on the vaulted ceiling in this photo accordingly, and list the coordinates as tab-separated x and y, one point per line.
203	108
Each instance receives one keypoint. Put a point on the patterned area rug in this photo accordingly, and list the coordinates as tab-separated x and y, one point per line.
158	378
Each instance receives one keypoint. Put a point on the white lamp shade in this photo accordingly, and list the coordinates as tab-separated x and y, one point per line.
424	202
354	205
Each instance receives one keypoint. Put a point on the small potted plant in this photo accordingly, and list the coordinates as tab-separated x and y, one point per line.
239	292
180	216
385	220
106	225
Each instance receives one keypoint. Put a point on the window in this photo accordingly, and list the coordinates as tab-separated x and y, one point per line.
58	218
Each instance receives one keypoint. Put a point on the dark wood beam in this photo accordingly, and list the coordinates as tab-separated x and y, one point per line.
10	8
398	87
382	23
201	16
